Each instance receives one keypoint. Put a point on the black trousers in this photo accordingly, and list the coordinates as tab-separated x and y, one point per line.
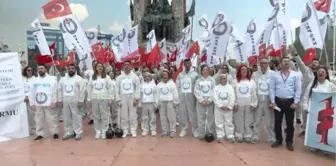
284	105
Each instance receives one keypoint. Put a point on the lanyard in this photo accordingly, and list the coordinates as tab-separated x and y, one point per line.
284	79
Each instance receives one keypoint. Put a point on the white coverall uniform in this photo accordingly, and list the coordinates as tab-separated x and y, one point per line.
224	95
71	91
308	76
43	96
100	92
246	97
203	92
148	104
168	100
88	75
263	111
332	76
185	83
114	108
31	115
128	86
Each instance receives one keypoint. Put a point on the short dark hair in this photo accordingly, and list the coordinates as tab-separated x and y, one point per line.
127	62
315	59
71	64
275	62
284	57
42	65
187	60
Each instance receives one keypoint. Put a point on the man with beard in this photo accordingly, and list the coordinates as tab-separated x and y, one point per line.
285	92
71	94
307	76
43	100
185	84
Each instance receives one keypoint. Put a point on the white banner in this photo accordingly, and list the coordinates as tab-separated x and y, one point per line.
118	45
13	112
92	37
132	38
163	49
74	36
220	36
251	39
324	25
310	32
39	38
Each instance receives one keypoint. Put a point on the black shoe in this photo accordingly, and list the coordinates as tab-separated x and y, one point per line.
38	138
290	147
302	134
114	125
298	121
55	136
90	122
276	144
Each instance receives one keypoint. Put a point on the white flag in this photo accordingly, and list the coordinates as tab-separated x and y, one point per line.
118	45
73	34
151	40
92	37
251	39
39	38
132	40
163	49
324	25
310	32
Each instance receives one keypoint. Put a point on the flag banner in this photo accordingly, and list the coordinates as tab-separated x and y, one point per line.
74	36
163	49
310	32
92	37
251	39
132	50
324	25
118	45
219	39
321	130
56	8
13	111
39	38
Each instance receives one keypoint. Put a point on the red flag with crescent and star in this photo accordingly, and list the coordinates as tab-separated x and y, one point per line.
309	56
56	8
323	5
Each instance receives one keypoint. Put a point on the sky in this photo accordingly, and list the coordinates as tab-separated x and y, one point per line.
17	15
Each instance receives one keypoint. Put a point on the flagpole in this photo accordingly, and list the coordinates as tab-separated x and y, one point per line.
278	32
321	36
192	27
334	36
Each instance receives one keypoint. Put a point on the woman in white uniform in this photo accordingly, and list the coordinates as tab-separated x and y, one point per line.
100	95
203	92
321	83
246	102
28	76
224	100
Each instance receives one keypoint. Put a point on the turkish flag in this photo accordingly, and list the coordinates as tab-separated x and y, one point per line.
97	50
172	57
309	56
323	5
70	59
40	59
154	56
252	60
203	58
179	70
56	8
194	49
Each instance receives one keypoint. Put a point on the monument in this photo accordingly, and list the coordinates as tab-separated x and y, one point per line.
166	19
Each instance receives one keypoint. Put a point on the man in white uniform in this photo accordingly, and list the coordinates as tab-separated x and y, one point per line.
128	87
43	100
71	94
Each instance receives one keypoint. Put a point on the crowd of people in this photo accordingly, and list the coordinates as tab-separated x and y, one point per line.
232	104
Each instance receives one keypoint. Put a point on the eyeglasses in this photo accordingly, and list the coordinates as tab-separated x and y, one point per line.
29	70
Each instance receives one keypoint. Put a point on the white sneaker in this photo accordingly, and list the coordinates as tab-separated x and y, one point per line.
177	123
97	136
153	133
183	133
134	135
103	136
196	135
125	135
144	133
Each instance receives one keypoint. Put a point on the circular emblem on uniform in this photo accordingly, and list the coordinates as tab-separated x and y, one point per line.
205	88
263	87
148	91
244	89
41	98
164	90
127	86
99	86
68	88
186	85
26	88
223	95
